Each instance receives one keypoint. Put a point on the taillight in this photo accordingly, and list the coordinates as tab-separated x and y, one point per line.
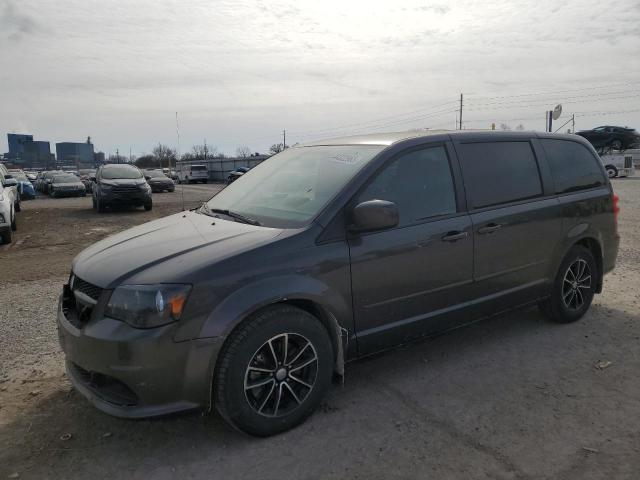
616	206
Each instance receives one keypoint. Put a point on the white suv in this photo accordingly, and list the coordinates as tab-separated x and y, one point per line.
7	213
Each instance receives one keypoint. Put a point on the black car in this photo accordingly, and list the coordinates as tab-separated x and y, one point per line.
327	252
120	185
66	185
617	138
237	173
158	181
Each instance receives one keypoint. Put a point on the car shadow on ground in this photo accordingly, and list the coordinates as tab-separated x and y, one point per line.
493	394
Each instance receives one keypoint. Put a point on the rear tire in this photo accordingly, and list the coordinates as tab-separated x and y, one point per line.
612	171
100	206
262	387
7	237
14	223
148	206
573	288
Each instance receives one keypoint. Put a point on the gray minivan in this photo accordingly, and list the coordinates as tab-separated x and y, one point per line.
330	251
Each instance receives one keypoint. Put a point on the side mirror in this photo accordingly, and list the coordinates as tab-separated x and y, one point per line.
374	215
146	177
9	182
93	179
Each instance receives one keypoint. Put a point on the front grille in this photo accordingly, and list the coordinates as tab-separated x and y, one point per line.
628	161
78	310
126	189
87	288
107	388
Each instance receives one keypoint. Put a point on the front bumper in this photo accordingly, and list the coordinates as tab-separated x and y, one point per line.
160	186
127	198
135	373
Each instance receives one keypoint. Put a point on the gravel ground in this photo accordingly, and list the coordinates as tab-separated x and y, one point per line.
512	397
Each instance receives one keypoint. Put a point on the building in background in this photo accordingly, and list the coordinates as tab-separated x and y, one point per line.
99	158
75	155
24	152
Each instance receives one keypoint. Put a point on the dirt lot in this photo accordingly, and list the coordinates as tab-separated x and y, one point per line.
512	397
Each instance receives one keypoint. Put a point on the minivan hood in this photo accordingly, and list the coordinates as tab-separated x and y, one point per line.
187	239
123	181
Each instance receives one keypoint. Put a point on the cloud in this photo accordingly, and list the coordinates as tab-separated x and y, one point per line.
16	25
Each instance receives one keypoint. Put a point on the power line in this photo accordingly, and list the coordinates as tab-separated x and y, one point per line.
556	91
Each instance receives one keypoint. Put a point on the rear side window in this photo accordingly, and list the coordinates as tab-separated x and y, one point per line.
419	183
573	166
499	172
198	168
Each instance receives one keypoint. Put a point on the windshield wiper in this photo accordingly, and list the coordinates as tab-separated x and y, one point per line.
234	215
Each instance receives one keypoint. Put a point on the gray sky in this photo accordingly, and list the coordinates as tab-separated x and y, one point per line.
239	72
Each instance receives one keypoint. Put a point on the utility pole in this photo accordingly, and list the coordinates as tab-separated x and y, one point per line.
573	123
117	156
284	139
460	123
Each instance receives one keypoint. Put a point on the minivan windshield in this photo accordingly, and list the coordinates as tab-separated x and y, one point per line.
289	189
120	171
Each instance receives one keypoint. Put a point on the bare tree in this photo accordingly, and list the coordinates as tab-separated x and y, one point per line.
165	155
520	127
243	152
204	152
504	126
147	161
277	148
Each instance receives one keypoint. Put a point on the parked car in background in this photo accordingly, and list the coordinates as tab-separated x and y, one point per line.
66	185
25	188
86	176
8	223
330	251
31	176
158	181
192	173
617	138
120	185
237	173
47	178
10	185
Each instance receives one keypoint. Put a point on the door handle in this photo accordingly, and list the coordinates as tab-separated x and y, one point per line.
492	227
455	236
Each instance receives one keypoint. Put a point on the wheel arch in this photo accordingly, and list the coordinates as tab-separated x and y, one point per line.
594	245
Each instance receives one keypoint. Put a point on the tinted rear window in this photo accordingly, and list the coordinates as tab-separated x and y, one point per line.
573	166
198	167
499	172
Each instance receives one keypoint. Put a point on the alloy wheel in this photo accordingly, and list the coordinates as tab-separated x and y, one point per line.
281	374
576	282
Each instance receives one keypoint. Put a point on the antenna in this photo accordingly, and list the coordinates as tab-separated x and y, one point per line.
180	176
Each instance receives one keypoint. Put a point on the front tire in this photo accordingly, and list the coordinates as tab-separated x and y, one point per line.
573	288
148	206
7	237
274	371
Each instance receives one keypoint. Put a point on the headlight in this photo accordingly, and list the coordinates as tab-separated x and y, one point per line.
147	306
105	186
